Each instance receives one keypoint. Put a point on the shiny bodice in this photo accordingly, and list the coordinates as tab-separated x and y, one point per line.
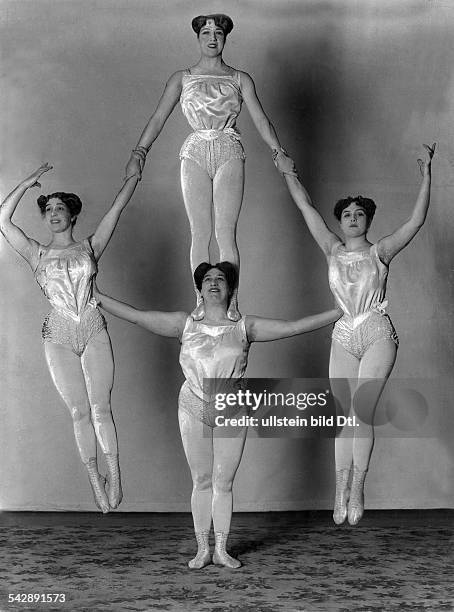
211	102
219	351
66	277
357	279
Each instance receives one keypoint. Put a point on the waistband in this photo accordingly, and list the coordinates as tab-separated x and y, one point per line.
353	322
213	134
90	306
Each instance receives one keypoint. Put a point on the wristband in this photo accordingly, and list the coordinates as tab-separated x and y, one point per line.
275	153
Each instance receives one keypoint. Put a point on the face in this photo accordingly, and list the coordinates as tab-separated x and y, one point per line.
353	220
57	215
211	39
214	286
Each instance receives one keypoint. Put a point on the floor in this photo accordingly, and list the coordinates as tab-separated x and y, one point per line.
292	562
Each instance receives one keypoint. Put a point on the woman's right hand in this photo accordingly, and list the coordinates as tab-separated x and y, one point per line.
135	164
32	180
285	164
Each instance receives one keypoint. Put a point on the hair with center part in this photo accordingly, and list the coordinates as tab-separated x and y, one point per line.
366	204
71	200
222	21
227	268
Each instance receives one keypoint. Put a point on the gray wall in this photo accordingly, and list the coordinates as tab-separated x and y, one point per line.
353	89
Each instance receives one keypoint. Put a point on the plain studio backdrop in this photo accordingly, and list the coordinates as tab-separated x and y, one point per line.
353	89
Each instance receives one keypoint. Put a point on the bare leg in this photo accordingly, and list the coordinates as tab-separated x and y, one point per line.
98	368
343	372
197	190
68	377
228	187
227	457
199	454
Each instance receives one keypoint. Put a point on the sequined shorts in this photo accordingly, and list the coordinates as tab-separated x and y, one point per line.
357	339
205	411
212	153
62	330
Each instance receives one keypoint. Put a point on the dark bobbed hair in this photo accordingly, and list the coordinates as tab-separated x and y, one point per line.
367	204
222	21
71	200
228	269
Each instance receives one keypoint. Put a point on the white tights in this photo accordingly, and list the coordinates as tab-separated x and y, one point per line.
213	462
222	196
85	383
349	376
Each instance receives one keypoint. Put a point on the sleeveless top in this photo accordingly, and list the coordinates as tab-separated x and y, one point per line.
66	277
211	102
358	280
219	351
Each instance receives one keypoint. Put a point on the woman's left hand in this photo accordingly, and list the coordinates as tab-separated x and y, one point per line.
424	165
32	180
285	164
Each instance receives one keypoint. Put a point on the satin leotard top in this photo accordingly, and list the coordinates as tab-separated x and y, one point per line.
66	277
357	280
211	102
219	351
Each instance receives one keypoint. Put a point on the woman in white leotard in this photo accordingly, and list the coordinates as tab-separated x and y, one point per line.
364	342
212	157
76	343
215	348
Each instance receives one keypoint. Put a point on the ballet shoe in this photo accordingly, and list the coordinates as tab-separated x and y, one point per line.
113	484
199	311
97	483
342	495
356	501
202	557
232	311
221	556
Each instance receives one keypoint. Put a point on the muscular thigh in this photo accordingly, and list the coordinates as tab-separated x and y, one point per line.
67	375
228	187
197	443
98	367
197	189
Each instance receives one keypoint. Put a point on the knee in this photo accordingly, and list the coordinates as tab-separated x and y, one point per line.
201	481
101	411
80	412
226	232
221	484
201	231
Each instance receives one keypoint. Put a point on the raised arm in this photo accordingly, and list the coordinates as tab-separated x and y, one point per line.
324	237
388	247
262	330
155	124
14	235
105	229
169	324
264	126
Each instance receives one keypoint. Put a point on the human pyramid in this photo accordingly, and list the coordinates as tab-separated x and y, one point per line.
215	338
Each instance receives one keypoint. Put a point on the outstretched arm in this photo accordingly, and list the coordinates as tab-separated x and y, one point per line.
388	247
155	124
264	126
169	324
262	330
14	235
324	237
105	229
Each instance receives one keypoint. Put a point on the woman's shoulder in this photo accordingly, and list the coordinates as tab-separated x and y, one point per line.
175	80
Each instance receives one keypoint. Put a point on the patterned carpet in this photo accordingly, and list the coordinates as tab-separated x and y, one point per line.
293	562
